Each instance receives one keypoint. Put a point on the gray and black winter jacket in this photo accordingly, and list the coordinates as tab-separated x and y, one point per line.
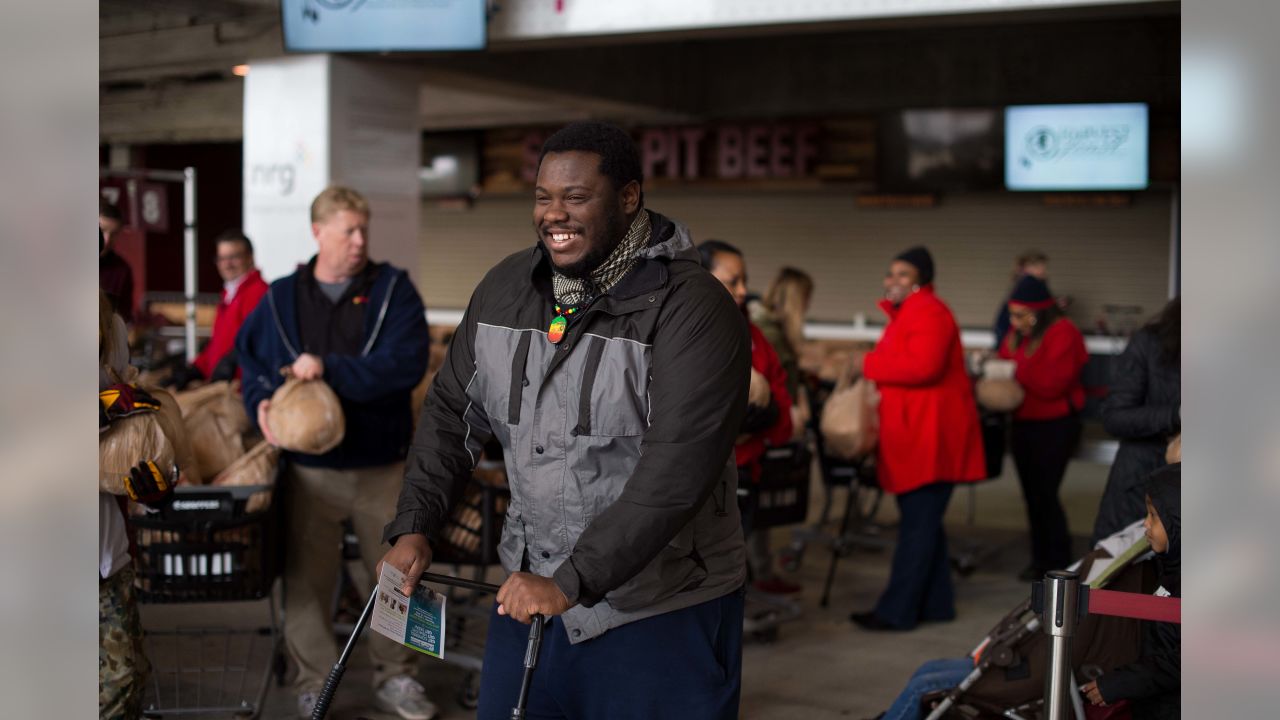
618	441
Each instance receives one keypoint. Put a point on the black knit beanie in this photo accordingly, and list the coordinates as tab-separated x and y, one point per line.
1032	292
919	258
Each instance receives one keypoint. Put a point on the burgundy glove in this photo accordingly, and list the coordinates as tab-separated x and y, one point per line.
122	400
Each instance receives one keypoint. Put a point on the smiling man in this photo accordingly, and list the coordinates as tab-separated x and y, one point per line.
242	288
613	370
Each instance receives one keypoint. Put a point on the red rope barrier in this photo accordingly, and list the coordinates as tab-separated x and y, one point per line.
1134	605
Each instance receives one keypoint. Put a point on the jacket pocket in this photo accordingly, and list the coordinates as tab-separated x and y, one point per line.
613	400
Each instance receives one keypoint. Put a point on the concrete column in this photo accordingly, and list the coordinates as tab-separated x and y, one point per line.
315	120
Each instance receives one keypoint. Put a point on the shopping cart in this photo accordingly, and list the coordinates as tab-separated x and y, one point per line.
206	546
469	545
340	667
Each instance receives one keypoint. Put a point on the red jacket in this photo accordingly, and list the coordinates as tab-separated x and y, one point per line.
929	428
226	323
1049	371
764	360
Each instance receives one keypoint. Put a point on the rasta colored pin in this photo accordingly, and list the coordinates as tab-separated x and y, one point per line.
555	333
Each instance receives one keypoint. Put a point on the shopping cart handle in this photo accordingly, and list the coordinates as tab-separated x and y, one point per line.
530	662
340	667
335	675
459	582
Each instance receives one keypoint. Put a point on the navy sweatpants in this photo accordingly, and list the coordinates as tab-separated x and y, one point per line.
685	664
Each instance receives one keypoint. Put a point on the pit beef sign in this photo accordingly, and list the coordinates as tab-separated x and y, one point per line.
722	152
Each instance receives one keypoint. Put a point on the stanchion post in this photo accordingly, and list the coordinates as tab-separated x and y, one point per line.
189	259
1058	602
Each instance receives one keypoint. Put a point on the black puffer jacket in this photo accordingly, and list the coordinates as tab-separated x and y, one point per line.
1154	683
1142	410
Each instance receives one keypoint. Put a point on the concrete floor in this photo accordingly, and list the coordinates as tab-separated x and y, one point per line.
820	666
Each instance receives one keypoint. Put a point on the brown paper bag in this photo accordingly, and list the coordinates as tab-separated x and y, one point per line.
999	395
156	436
850	421
256	467
306	417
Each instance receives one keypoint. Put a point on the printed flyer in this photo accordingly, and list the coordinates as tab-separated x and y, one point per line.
416	622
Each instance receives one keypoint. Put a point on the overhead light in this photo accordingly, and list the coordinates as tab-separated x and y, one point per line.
240	70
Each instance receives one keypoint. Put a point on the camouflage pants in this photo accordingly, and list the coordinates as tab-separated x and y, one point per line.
122	666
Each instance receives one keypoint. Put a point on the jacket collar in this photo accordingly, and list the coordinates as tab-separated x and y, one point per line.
893	312
668	240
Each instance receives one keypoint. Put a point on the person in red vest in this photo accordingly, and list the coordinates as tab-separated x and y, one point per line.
242	288
929	440
1049	352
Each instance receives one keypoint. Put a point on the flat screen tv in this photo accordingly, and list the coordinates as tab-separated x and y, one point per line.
382	25
450	164
940	149
1076	147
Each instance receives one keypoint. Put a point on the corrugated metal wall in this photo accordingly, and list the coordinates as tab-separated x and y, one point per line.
1098	255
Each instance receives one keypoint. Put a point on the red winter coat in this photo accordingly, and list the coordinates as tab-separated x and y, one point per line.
229	318
764	360
929	428
1049	371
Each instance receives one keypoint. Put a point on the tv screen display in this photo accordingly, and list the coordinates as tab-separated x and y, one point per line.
940	149
1076	147
450	164
382	25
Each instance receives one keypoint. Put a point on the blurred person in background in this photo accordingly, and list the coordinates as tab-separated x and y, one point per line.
1049	352
242	288
780	317
929	440
115	277
1144	410
123	668
1153	684
359	326
765	424
1035	264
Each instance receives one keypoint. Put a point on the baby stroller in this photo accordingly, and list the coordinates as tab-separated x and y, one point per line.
1008	676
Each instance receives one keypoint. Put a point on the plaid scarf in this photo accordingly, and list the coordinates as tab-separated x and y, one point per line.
572	292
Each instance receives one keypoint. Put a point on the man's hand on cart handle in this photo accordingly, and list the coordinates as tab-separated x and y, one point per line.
410	555
524	595
263	407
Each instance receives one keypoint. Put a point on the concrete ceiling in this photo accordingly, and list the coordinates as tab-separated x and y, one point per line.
165	72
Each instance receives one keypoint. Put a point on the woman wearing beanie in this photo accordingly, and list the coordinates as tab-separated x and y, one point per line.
1049	352
929	440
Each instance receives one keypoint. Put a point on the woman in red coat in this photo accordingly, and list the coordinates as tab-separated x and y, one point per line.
929	440
1049	351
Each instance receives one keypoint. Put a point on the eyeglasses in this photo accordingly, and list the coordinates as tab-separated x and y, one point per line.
230	258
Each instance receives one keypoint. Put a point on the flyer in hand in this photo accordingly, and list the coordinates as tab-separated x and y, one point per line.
416	622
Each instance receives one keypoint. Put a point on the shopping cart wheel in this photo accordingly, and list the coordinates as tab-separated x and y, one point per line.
469	692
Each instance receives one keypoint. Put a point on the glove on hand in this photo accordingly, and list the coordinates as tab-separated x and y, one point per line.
122	400
148	485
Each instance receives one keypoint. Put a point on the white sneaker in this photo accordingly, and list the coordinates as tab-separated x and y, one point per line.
307	704
403	696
